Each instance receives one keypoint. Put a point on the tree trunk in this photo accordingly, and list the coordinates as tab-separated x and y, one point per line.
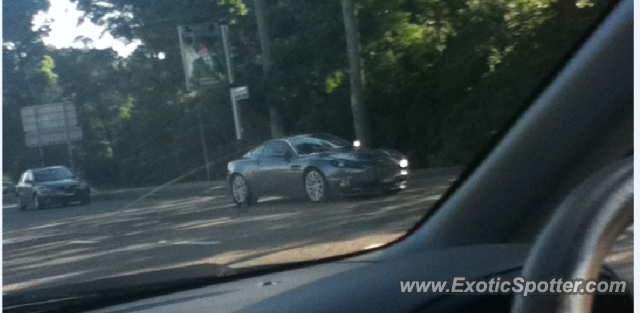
360	122
567	10
265	45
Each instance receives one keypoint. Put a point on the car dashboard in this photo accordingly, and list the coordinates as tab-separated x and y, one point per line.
361	284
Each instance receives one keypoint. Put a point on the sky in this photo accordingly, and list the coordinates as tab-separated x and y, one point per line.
64	17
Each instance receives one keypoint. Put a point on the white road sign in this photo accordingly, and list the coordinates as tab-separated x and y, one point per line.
50	124
241	93
48	116
52	136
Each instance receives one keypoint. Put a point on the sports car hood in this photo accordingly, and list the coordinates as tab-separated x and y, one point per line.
364	155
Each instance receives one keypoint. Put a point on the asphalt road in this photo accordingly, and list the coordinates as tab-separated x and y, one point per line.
198	226
58	246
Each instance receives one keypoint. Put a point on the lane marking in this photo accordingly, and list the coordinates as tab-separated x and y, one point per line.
14	240
434	197
187	242
196	243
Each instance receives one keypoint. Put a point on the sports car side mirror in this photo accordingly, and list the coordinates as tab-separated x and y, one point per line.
287	156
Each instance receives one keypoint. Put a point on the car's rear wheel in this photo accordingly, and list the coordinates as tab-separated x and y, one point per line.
316	185
240	191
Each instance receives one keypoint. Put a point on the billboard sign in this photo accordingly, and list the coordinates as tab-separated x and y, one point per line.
203	56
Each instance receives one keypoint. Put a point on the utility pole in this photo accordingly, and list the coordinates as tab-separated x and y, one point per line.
360	122
265	46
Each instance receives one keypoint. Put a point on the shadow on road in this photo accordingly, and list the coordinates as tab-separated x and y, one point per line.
82	243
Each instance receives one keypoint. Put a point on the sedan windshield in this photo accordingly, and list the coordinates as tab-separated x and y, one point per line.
316	144
52	174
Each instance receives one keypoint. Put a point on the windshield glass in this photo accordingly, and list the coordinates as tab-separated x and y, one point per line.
155	103
52	174
318	143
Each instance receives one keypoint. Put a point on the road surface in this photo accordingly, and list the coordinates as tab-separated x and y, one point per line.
58	246
198	225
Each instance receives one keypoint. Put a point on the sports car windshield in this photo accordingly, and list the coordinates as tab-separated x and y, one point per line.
52	174
361	115
318	144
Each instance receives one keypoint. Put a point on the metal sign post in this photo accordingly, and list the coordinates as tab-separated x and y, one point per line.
236	114
224	29
237	94
68	135
203	143
39	141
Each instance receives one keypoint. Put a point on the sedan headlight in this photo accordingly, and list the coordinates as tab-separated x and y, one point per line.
346	164
403	163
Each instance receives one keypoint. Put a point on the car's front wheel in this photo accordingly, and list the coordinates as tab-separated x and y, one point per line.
240	191
19	203
37	203
316	185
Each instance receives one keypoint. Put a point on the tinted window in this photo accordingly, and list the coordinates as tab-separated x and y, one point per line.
276	149
257	152
52	174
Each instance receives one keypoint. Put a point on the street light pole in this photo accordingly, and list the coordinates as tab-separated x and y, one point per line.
360	122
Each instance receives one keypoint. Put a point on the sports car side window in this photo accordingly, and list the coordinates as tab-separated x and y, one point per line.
257	152
268	150
276	149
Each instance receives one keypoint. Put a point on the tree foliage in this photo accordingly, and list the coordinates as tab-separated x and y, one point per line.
441	78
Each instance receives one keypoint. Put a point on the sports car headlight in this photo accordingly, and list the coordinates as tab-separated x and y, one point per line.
346	164
403	163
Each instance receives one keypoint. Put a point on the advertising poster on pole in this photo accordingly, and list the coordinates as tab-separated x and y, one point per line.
203	56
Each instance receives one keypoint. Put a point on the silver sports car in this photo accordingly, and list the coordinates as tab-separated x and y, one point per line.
317	166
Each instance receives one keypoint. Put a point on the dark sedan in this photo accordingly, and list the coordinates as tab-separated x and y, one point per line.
316	166
50	185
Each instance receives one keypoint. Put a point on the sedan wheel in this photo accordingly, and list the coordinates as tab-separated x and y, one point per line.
315	185
19	203
240	191
36	203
